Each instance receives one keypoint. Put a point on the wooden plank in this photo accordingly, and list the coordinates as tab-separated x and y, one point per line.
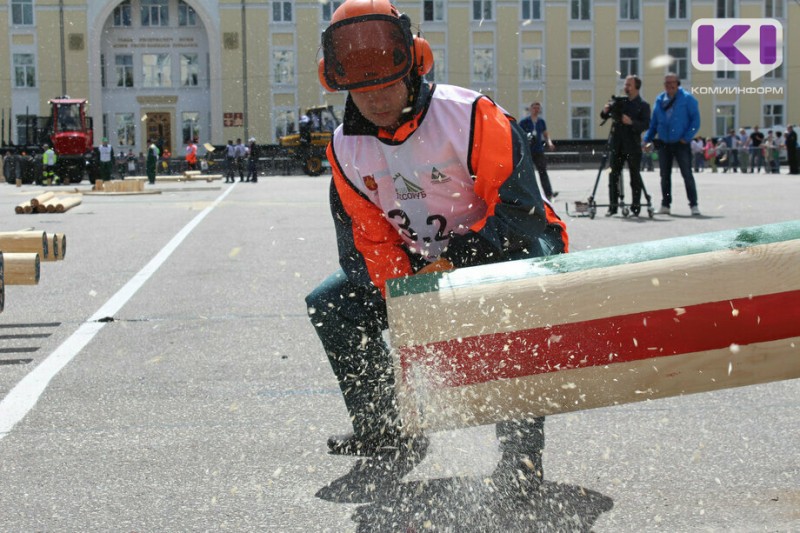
597	328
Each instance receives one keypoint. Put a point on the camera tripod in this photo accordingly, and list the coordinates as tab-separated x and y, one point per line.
592	205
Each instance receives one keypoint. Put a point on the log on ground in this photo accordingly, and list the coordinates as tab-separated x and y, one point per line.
58	244
24	208
41	198
25	242
68	203
21	268
48	206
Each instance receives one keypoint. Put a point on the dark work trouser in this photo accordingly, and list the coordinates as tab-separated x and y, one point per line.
349	320
682	154
540	163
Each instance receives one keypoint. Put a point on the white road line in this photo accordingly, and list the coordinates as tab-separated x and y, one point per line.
23	397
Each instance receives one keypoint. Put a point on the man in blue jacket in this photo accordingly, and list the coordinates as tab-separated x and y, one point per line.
676	120
538	139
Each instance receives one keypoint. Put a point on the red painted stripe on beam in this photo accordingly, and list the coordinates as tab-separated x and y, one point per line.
599	342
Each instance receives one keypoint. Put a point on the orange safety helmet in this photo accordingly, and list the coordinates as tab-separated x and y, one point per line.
368	46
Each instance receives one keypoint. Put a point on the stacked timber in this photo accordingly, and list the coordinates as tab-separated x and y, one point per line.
597	328
59	205
44	197
189	175
128	185
24	208
193	175
48	203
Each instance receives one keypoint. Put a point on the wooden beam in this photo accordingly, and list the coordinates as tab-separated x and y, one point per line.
597	328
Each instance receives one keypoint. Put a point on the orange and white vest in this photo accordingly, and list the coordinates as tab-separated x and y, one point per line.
415	183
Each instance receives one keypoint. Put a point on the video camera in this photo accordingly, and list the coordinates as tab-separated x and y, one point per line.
615	108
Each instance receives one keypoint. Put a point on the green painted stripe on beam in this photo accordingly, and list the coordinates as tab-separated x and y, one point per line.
599	258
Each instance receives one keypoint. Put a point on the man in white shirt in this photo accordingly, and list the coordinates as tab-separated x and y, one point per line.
106	156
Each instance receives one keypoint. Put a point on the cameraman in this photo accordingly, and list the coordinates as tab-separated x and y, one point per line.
631	117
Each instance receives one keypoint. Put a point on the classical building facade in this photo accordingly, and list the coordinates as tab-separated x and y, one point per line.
222	69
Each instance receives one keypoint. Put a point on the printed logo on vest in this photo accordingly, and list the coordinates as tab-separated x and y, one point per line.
438	177
370	183
408	190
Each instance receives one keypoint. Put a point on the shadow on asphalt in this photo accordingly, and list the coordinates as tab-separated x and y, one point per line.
696	217
662	218
462	504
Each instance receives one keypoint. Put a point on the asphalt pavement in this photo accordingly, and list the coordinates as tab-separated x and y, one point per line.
165	377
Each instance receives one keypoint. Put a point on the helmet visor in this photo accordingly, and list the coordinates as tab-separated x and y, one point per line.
367	51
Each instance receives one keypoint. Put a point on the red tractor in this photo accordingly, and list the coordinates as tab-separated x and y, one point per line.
71	136
68	130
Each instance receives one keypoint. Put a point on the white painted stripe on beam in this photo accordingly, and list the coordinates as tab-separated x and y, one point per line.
25	394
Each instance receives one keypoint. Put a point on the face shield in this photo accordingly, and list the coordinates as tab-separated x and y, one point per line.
367	52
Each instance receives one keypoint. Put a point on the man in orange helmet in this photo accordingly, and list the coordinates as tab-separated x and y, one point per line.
426	178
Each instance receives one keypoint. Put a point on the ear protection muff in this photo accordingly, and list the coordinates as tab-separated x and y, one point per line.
423	56
321	75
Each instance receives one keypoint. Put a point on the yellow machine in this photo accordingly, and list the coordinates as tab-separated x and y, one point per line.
315	132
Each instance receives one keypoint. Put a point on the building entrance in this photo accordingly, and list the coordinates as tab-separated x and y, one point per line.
158	127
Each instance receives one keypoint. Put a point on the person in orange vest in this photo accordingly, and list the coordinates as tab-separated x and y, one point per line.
191	155
426	178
